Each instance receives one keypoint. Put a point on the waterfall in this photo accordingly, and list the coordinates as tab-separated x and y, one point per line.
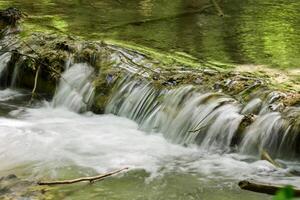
4	59
211	120
277	134
75	90
183	115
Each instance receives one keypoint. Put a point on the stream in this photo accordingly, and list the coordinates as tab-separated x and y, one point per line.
179	143
45	142
51	140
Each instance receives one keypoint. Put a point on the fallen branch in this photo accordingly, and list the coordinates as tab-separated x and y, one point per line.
90	179
218	8
266	188
33	94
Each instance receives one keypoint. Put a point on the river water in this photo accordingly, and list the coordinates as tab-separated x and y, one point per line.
54	143
251	32
50	140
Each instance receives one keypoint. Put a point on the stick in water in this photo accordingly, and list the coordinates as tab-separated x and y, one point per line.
90	179
266	188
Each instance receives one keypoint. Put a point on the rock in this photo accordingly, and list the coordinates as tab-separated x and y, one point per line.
10	176
11	16
198	81
210	72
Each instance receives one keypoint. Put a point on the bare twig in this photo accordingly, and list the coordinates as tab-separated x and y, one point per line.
218	8
33	94
89	179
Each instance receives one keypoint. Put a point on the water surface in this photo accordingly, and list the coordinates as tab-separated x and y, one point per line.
55	143
251	32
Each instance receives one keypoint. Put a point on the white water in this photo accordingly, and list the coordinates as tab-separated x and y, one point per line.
75	90
274	133
182	115
44	140
211	120
4	59
9	94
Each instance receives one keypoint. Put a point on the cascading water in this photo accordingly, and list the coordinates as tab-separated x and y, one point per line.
274	133
75	90
211	120
4	59
182	115
47	141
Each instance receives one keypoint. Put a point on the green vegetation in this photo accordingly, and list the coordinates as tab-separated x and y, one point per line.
286	193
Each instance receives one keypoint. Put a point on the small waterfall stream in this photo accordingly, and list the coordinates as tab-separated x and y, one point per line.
211	120
4	59
184	115
53	139
75	90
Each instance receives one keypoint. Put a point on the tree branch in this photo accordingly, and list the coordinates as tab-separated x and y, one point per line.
35	84
90	179
218	8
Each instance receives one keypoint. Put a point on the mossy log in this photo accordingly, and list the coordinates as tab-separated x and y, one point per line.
266	188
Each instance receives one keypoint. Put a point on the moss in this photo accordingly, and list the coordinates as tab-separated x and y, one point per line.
291	99
103	85
164	70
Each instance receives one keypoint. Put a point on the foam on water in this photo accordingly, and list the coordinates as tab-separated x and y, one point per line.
4	59
213	121
9	94
47	138
75	90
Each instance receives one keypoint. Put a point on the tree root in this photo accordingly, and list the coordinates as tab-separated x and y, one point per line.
91	179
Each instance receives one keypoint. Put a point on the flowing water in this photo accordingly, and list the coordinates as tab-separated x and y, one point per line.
178	144
51	140
75	90
251	32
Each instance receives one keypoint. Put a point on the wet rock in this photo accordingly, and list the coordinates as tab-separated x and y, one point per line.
170	82
279	107
198	81
210	72
217	86
65	46
10	176
275	96
292	99
11	16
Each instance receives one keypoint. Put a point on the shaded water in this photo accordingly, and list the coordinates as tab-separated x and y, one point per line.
251	32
